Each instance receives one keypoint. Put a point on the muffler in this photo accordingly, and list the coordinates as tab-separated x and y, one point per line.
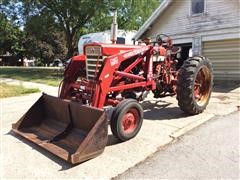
72	131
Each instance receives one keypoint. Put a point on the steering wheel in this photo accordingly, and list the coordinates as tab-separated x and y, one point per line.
163	39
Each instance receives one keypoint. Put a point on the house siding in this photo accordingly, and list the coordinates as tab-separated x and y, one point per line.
218	30
220	17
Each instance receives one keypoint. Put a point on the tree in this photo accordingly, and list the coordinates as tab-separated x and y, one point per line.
11	37
131	14
71	15
45	20
44	39
77	17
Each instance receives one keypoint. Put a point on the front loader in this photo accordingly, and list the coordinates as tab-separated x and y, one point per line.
71	131
104	86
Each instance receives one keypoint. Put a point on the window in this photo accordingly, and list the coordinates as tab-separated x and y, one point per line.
120	40
197	6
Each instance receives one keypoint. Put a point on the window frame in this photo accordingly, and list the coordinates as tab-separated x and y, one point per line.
197	14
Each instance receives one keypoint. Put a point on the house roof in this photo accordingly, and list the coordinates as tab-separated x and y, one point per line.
152	18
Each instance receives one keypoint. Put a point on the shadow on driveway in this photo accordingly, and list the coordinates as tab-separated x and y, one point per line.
112	140
160	110
225	87
64	164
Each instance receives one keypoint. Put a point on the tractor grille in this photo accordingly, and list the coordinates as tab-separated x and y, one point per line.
94	55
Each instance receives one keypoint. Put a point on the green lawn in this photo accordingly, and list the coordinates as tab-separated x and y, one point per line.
49	76
7	90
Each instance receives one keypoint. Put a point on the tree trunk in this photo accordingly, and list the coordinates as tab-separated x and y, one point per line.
70	44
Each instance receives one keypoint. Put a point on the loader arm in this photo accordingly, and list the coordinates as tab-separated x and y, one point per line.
110	72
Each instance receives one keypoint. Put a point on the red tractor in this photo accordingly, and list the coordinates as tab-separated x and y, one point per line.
113	78
121	76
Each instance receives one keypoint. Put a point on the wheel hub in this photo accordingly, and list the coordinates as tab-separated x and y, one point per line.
130	120
202	85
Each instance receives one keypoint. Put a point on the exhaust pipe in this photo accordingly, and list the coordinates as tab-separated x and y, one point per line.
114	28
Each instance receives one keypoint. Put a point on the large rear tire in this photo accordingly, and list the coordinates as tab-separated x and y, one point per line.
126	119
194	85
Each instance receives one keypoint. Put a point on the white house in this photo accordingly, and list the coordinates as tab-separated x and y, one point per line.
209	27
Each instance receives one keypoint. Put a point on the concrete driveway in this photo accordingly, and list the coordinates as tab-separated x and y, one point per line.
163	123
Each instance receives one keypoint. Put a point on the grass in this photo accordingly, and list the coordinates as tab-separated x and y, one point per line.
44	75
7	90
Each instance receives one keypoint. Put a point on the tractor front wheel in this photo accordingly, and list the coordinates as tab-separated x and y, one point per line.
126	119
194	85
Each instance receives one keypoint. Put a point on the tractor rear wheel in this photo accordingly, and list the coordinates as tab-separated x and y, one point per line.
194	85
126	119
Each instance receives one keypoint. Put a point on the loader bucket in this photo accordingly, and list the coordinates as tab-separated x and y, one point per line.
72	131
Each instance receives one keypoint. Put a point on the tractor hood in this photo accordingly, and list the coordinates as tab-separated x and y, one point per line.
110	49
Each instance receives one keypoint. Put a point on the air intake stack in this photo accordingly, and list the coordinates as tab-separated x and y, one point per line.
114	28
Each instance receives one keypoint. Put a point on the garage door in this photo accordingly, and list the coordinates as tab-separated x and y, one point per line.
225	57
